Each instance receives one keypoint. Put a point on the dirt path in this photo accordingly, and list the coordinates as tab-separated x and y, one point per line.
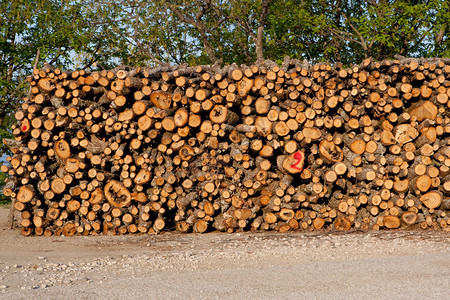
413	265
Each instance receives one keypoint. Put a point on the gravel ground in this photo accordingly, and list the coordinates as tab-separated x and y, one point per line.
376	265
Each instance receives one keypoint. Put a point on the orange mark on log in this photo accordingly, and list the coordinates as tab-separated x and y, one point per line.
298	156
24	127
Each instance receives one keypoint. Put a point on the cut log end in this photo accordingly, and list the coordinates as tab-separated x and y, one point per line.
116	194
294	163
330	151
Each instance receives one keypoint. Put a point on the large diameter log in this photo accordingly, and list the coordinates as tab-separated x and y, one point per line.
431	200
58	185
144	123
244	86
425	111
73	205
200	226
422	183
52	213
25	194
312	133
46	85
96	196
391	222
401	186
142	177
62	149
330	151
294	163
69	229
409	218
181	117
116	194
263	126
358	147
318	223
139	197
387	138
161	99
220	114
96	146
343	224
405	133
72	165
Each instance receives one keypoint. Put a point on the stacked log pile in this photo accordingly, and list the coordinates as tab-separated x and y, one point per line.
195	149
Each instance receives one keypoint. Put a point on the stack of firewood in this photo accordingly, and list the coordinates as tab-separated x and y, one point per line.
195	149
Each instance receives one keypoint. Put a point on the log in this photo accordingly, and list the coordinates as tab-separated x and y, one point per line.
391	222
427	110
294	163
330	151
62	149
409	218
116	194
431	200
162	100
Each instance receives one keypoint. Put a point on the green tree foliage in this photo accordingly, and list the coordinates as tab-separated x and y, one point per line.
348	31
243	31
